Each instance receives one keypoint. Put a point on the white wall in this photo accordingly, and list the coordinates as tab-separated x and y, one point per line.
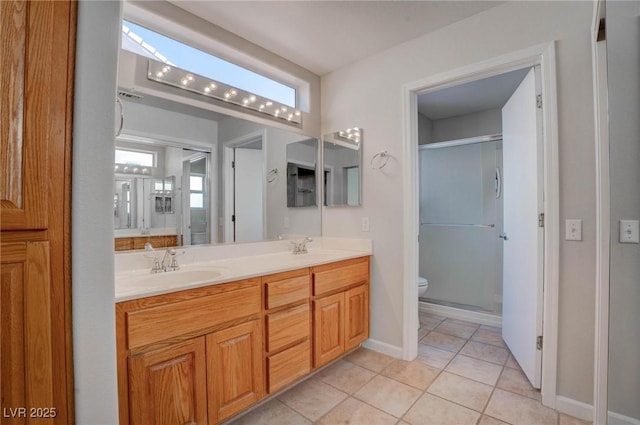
623	58
470	125
162	124
376	82
94	351
425	128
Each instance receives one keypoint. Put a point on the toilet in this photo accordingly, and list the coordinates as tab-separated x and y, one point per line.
423	284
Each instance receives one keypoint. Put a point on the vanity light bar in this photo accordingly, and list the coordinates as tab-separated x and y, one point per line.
351	134
131	169
176	77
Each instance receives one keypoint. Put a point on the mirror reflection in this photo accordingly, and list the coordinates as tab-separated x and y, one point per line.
188	176
342	162
301	173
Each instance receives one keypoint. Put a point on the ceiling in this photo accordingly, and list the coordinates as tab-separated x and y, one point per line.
323	36
480	95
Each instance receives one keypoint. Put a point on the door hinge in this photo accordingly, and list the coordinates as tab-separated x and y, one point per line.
539	342
541	220
233	218
539	101
233	164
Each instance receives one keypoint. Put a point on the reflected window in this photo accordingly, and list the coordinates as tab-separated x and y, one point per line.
131	157
196	189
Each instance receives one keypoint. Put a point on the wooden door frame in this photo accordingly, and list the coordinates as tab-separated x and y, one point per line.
544	56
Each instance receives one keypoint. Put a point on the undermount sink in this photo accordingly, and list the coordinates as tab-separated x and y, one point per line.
179	277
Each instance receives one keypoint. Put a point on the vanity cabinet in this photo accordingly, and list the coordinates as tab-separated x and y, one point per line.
287	327
192	356
168	385
201	356
234	369
340	308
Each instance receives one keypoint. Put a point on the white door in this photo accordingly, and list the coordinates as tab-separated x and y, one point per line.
248	195
523	255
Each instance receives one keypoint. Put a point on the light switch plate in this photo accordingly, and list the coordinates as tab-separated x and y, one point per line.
365	224
573	230
629	231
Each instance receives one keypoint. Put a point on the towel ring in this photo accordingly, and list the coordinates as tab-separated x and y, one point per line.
382	159
272	175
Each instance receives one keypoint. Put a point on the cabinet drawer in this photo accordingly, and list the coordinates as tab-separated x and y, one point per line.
284	368
286	327
166	321
334	277
286	288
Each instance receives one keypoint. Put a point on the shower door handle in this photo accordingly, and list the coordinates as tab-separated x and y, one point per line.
503	236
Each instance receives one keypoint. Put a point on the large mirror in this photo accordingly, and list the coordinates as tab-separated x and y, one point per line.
188	176
342	167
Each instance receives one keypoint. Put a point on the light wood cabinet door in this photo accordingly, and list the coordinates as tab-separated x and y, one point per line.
26	370
32	78
168	386
235	373
328	328
356	316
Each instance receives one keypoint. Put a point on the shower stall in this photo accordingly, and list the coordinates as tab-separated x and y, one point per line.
461	211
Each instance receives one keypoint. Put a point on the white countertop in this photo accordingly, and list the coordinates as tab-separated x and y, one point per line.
138	282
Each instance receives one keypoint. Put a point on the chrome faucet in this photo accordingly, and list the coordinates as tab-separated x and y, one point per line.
173	260
301	247
160	266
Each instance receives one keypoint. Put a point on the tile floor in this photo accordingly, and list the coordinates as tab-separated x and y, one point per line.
464	374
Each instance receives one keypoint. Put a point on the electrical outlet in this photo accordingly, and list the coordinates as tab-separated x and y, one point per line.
365	224
629	231
573	230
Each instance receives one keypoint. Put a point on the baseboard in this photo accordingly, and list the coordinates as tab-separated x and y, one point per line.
383	347
574	408
461	314
618	419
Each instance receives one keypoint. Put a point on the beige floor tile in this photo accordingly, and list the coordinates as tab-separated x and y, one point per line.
443	341
519	410
488	420
345	376
415	373
434	356
388	395
428	322
461	331
475	369
570	420
312	398
486	352
355	412
370	359
515	381
273	412
463	322
512	363
464	391
488	337
432	410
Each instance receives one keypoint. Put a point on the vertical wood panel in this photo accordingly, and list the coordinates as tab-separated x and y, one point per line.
12	336
328	315
168	386
13	41
234	369
356	316
38	337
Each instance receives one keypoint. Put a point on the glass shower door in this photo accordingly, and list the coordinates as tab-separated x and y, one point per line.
460	223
